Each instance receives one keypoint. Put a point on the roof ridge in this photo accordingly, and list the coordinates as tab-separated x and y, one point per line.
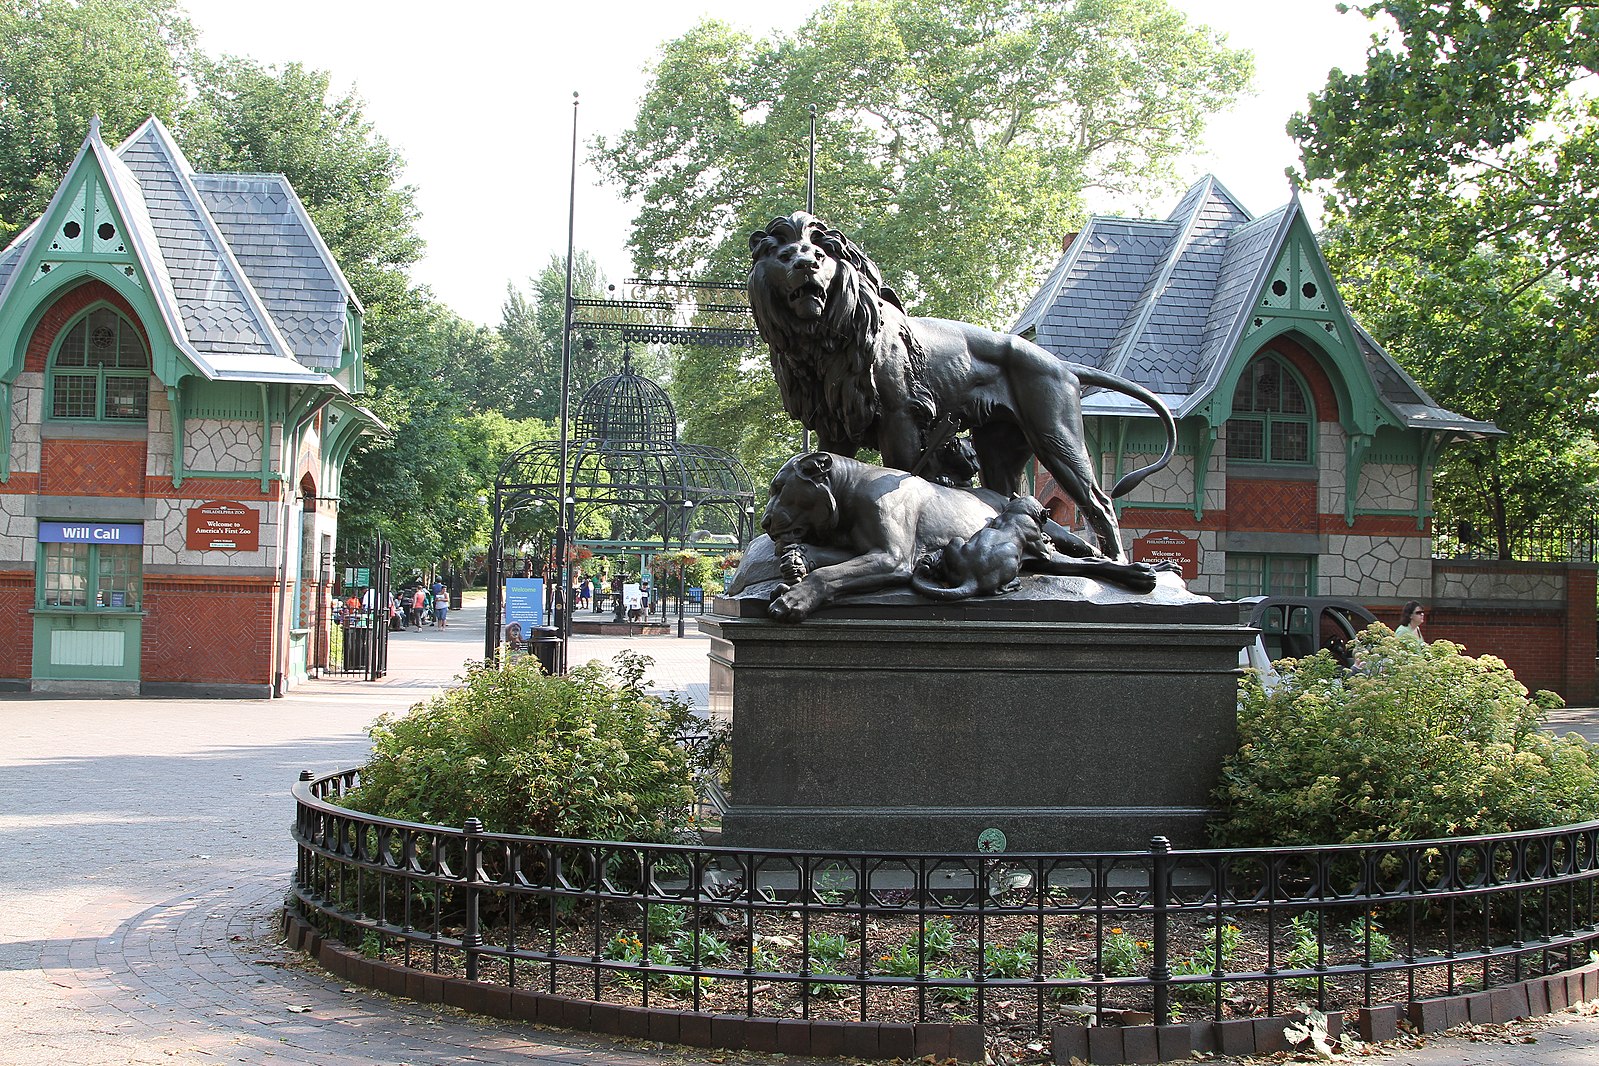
1246	307
269	327
1161	278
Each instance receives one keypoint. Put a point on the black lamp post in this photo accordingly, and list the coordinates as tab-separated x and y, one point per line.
682	564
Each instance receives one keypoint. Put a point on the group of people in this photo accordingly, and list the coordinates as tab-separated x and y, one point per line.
425	600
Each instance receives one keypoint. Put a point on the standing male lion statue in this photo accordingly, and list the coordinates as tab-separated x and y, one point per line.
855	368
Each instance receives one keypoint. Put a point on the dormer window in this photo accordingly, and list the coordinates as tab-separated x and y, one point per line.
100	371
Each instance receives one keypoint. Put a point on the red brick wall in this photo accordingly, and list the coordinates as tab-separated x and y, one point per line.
63	310
1278	506
91	467
1548	646
207	629
16	624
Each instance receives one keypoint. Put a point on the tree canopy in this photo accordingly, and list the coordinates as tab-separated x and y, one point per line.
67	61
955	141
955	138
1461	201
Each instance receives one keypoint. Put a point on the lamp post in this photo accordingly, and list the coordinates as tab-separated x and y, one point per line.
682	564
563	531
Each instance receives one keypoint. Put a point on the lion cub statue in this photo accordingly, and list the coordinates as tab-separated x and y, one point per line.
991	561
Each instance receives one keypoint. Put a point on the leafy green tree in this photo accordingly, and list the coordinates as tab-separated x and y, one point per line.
955	137
1459	163
956	140
64	62
531	327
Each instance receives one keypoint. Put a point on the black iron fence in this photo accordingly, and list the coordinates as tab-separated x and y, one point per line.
1554	539
1018	942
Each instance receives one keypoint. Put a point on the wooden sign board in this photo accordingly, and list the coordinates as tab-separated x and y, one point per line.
222	525
1167	546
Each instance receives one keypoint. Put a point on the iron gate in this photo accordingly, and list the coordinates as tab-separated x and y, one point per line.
353	638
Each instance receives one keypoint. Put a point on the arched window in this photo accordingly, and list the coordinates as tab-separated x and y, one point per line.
100	371
1271	417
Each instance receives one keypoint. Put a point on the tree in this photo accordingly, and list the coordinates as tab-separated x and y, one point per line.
1459	166
956	140
531	329
67	61
955	137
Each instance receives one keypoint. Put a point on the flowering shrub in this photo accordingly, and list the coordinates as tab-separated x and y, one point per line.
585	755
1418	741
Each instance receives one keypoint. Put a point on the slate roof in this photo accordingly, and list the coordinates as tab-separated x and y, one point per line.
1165	303
246	286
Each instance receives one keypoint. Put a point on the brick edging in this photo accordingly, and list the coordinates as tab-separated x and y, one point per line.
812	1037
1265	1036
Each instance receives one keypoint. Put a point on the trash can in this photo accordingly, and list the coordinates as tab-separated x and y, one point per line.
545	643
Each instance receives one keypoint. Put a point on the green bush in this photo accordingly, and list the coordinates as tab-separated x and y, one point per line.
1418	741
585	755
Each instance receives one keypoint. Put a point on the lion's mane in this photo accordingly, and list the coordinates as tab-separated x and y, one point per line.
824	367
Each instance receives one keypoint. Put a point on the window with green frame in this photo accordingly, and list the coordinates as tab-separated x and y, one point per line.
1250	574
91	576
100	371
1271	419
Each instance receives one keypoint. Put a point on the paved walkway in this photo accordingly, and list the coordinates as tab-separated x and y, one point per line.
146	850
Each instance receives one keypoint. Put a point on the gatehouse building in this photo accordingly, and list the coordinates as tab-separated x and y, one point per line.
178	357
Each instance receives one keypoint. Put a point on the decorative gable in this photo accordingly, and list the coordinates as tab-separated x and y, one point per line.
86	228
1298	287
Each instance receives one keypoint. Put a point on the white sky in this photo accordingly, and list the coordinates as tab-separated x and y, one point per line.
478	100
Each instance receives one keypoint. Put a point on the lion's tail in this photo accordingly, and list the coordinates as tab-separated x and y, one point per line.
1099	378
933	591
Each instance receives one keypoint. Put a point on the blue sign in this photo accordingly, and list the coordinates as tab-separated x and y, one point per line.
91	533
524	602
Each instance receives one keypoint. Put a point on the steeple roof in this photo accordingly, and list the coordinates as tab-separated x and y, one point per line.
1168	303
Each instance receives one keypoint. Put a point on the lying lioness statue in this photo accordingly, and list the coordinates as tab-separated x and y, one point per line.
865	527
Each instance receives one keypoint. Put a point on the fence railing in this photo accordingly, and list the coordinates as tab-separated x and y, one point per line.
1021	942
1573	539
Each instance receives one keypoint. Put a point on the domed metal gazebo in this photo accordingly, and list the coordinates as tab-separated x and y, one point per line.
627	468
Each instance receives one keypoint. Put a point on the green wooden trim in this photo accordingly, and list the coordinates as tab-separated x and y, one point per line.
5	431
30	296
1355	448
179	433
1204	448
266	437
1433	442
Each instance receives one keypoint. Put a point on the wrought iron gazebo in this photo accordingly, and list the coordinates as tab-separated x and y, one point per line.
626	470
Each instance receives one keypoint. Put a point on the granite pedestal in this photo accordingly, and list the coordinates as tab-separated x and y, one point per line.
1068	727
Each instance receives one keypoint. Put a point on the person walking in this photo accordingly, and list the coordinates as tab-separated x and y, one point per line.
1411	619
419	602
585	593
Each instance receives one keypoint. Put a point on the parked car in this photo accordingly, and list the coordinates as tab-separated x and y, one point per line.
1296	626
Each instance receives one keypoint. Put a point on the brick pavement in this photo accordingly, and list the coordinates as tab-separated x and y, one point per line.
147	849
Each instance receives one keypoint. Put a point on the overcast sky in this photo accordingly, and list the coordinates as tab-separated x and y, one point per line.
477	96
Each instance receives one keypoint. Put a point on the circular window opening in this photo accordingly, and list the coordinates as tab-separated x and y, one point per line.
71	229
1309	289
1279	288
106	231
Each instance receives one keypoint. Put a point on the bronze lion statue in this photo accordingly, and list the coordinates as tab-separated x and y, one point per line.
852	366
861	527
